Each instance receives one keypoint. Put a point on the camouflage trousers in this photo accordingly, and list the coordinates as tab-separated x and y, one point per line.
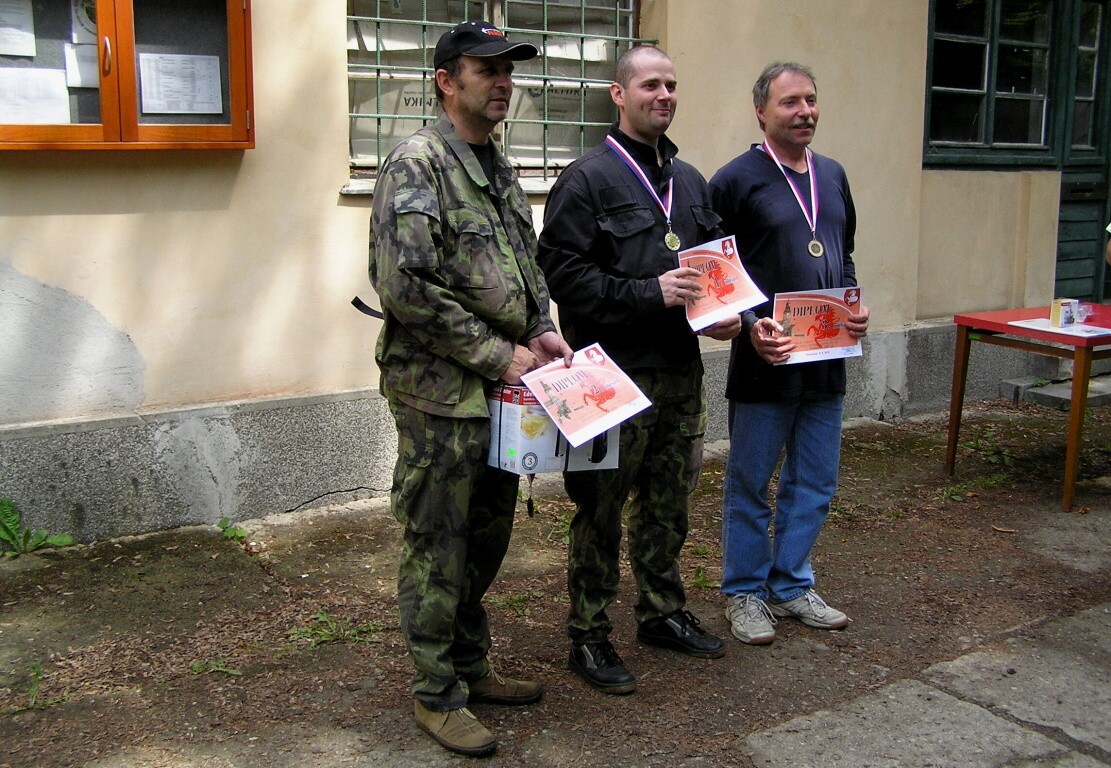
660	461
458	517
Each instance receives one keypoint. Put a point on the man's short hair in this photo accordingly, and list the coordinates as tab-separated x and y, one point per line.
763	84
452	67
623	72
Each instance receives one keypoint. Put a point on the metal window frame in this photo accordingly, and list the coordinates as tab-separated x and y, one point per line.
626	18
990	154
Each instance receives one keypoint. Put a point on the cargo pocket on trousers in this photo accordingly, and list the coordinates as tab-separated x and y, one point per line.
412	477
693	427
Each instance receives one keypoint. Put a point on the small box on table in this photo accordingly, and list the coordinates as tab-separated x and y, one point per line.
524	439
1063	312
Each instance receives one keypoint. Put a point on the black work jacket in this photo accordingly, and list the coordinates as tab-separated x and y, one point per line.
602	251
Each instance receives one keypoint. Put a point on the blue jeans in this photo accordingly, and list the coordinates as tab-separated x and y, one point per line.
810	431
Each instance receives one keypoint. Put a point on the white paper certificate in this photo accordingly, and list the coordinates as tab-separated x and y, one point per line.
179	84
17	28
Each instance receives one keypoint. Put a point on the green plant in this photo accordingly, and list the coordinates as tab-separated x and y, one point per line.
961	491
841	512
229	531
326	629
212	665
561	529
701	579
516	603
700	550
16	540
33	701
988	447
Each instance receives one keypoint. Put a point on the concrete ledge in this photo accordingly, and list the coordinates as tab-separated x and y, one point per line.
155	469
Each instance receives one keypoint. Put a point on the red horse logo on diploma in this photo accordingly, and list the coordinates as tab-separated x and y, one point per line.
727	290
825	327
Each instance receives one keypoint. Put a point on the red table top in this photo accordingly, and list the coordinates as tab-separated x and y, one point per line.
998	321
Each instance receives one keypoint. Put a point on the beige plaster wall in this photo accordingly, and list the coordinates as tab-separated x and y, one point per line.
988	240
198	276
134	281
869	58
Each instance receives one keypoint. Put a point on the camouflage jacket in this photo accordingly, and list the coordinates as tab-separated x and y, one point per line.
454	265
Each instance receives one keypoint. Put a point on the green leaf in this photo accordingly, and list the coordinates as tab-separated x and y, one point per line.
10	521
38	538
59	540
8	512
8	535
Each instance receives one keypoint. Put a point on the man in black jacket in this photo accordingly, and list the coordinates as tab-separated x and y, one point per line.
615	221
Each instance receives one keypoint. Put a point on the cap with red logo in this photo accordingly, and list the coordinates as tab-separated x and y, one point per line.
479	38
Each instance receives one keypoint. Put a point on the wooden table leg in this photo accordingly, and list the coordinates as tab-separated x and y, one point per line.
1078	404
956	395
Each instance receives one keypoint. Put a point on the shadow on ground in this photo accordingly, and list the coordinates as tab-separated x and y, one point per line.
185	648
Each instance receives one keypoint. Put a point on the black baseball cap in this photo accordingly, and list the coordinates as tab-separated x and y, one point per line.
479	38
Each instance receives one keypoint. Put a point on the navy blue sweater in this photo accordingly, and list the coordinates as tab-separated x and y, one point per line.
756	205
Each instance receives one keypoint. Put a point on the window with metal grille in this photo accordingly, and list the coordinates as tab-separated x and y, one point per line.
561	103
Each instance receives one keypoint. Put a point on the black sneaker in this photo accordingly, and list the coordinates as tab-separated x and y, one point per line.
680	632
600	666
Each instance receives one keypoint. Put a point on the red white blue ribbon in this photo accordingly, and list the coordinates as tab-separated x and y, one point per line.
812	221
665	203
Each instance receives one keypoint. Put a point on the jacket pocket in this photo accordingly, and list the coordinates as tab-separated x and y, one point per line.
707	219
477	269
626	222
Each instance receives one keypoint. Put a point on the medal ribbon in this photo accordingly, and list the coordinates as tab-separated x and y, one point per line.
665	204
812	222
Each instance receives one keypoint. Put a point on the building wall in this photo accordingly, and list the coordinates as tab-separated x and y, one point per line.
177	339
988	240
146	280
869	59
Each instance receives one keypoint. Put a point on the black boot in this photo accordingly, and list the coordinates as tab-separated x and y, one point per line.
680	632
600	666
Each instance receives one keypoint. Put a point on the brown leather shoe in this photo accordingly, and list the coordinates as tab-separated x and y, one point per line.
456	729
495	689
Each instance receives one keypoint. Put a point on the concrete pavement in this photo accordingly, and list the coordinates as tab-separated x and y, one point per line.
1040	697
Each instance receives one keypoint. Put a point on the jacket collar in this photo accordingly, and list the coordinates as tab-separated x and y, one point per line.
645	153
503	171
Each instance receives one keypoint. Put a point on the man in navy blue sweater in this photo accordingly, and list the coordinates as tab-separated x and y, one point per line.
793	216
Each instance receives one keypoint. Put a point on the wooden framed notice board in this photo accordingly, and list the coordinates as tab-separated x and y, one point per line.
125	74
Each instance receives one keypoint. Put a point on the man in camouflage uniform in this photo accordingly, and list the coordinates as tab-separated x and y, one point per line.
452	258
614	223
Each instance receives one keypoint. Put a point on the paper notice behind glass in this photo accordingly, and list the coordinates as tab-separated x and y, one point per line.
33	97
81	66
178	84
83	19
17	28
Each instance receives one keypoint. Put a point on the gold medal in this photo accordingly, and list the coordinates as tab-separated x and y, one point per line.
816	249
671	240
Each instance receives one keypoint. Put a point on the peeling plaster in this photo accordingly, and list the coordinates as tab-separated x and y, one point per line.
59	357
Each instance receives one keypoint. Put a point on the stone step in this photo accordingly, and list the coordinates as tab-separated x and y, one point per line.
1055	394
